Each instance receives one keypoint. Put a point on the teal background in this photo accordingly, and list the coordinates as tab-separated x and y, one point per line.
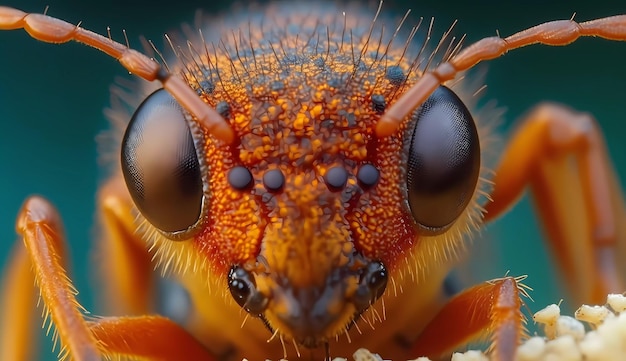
51	101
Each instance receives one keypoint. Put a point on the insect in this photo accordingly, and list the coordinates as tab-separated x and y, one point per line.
375	270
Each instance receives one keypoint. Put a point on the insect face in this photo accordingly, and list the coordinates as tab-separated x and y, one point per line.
294	216
304	211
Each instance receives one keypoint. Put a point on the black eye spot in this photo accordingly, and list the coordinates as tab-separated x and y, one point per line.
443	161
395	75
273	180
223	108
336	178
240	178
367	175
378	103
160	164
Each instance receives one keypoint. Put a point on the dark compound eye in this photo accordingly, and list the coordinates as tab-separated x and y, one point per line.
160	164
443	162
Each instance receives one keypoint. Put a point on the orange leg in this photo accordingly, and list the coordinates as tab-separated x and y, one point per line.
125	263
144	336
150	337
41	230
561	155
489	309
17	315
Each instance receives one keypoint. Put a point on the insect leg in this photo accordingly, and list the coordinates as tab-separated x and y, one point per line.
18	301
151	337
126	268
561	155
40	227
148	337
128	276
491	309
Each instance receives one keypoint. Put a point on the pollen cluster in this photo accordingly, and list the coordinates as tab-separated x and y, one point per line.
595	333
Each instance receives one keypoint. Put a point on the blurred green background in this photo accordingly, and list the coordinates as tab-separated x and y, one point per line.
51	101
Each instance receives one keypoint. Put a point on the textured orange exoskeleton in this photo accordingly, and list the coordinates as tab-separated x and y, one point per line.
307	178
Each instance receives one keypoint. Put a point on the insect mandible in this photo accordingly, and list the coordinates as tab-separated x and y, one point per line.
378	327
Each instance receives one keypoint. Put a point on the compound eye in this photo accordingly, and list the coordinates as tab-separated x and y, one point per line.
160	164
443	162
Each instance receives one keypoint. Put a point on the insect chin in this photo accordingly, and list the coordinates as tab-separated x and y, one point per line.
314	314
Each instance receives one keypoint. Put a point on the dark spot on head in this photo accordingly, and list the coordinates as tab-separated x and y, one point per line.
395	75
368	175
378	102
273	180
240	178
223	108
336	178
